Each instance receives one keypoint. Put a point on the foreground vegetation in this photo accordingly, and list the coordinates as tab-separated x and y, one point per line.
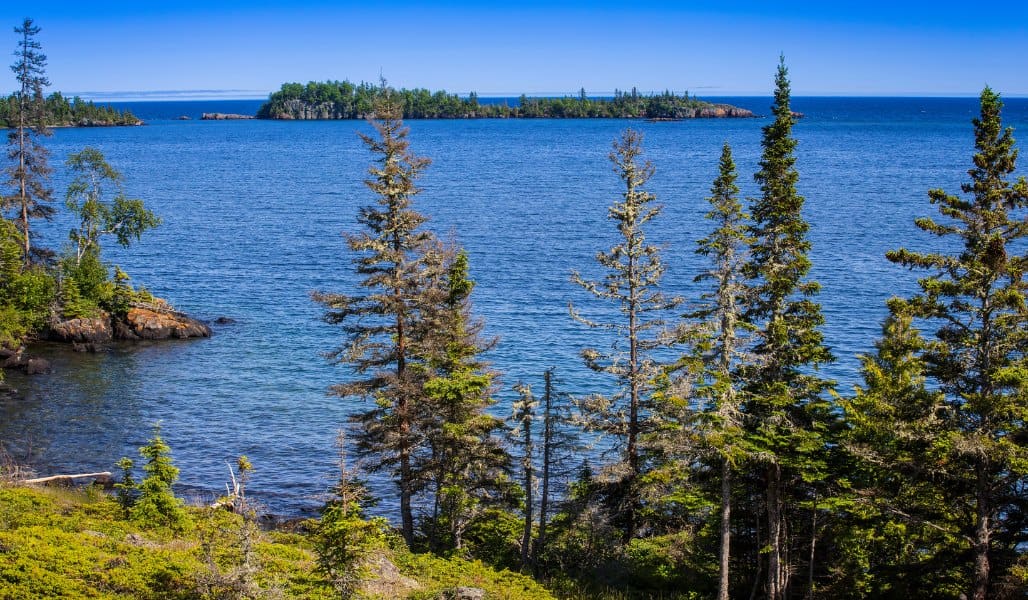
58	543
345	100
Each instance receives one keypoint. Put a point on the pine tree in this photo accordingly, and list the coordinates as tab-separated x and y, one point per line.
976	298
719	341
785	411
901	539
401	264
29	172
634	270
465	466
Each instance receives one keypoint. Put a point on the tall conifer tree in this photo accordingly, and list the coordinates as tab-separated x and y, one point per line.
402	266
785	410
634	270
29	172
719	342
975	296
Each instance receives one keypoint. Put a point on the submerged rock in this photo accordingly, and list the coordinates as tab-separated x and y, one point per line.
18	359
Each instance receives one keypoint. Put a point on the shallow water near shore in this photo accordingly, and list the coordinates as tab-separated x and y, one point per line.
253	212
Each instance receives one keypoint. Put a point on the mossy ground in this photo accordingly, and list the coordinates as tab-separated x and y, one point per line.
72	544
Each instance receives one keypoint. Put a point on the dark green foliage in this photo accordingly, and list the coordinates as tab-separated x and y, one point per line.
126	491
345	100
974	296
59	111
343	539
785	412
465	467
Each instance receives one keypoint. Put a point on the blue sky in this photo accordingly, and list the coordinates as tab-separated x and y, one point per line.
246	49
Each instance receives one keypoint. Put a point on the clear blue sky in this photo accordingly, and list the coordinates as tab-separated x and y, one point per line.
246	49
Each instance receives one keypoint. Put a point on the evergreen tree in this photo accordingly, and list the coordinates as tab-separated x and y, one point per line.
157	504
902	538
975	297
401	265
634	270
29	172
785	412
465	465
719	342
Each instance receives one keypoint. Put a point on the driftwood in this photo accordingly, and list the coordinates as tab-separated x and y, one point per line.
52	478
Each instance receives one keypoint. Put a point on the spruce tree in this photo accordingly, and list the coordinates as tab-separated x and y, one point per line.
634	270
29	172
785	411
719	342
900	538
974	297
464	465
401	265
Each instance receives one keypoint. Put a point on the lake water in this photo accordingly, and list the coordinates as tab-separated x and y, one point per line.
253	212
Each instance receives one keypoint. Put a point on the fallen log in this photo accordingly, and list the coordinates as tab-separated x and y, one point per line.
52	478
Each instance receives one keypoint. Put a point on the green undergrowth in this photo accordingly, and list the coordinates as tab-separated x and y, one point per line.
58	543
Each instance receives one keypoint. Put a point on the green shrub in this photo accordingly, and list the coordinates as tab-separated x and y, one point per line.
157	504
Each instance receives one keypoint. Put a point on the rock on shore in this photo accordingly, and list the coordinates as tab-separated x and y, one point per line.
224	117
140	323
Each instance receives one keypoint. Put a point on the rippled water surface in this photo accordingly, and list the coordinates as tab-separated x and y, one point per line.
253	212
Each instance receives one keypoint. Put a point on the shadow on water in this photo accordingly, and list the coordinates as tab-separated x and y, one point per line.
81	416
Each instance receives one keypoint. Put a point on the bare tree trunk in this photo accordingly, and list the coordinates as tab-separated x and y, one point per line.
759	558
813	547
526	536
774	534
544	499
726	523
982	532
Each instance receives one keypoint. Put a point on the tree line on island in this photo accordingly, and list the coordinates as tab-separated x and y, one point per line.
740	471
345	100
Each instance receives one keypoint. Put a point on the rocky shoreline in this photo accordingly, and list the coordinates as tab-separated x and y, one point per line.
142	322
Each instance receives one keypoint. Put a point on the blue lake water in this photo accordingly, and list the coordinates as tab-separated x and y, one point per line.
253	213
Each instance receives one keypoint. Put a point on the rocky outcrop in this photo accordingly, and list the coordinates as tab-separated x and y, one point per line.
155	324
90	330
141	322
721	111
224	117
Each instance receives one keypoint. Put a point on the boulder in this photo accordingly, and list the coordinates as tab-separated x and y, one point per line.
35	366
91	330
463	593
157	324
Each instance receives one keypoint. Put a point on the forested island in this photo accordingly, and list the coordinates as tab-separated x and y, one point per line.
59	111
345	100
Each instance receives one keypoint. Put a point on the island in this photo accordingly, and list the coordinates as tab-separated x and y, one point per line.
76	112
334	100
